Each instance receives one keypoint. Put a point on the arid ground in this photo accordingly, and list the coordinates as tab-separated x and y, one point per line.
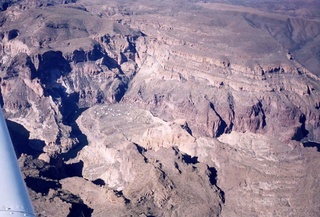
164	108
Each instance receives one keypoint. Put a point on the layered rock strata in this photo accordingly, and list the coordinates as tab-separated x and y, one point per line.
164	109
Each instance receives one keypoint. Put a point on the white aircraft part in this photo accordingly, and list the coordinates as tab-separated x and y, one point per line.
14	198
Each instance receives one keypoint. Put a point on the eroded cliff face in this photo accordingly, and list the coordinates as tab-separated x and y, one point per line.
203	109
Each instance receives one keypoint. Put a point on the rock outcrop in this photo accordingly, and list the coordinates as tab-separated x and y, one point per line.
200	108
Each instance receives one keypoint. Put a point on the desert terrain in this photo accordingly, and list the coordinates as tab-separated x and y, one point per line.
164	108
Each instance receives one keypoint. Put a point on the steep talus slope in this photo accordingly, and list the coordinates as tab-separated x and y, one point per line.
267	178
164	108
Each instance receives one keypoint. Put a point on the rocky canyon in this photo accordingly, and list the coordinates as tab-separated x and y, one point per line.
164	108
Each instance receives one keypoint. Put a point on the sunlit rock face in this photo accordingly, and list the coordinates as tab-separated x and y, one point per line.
185	108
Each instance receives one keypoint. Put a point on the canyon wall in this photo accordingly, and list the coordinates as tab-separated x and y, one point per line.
164	109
